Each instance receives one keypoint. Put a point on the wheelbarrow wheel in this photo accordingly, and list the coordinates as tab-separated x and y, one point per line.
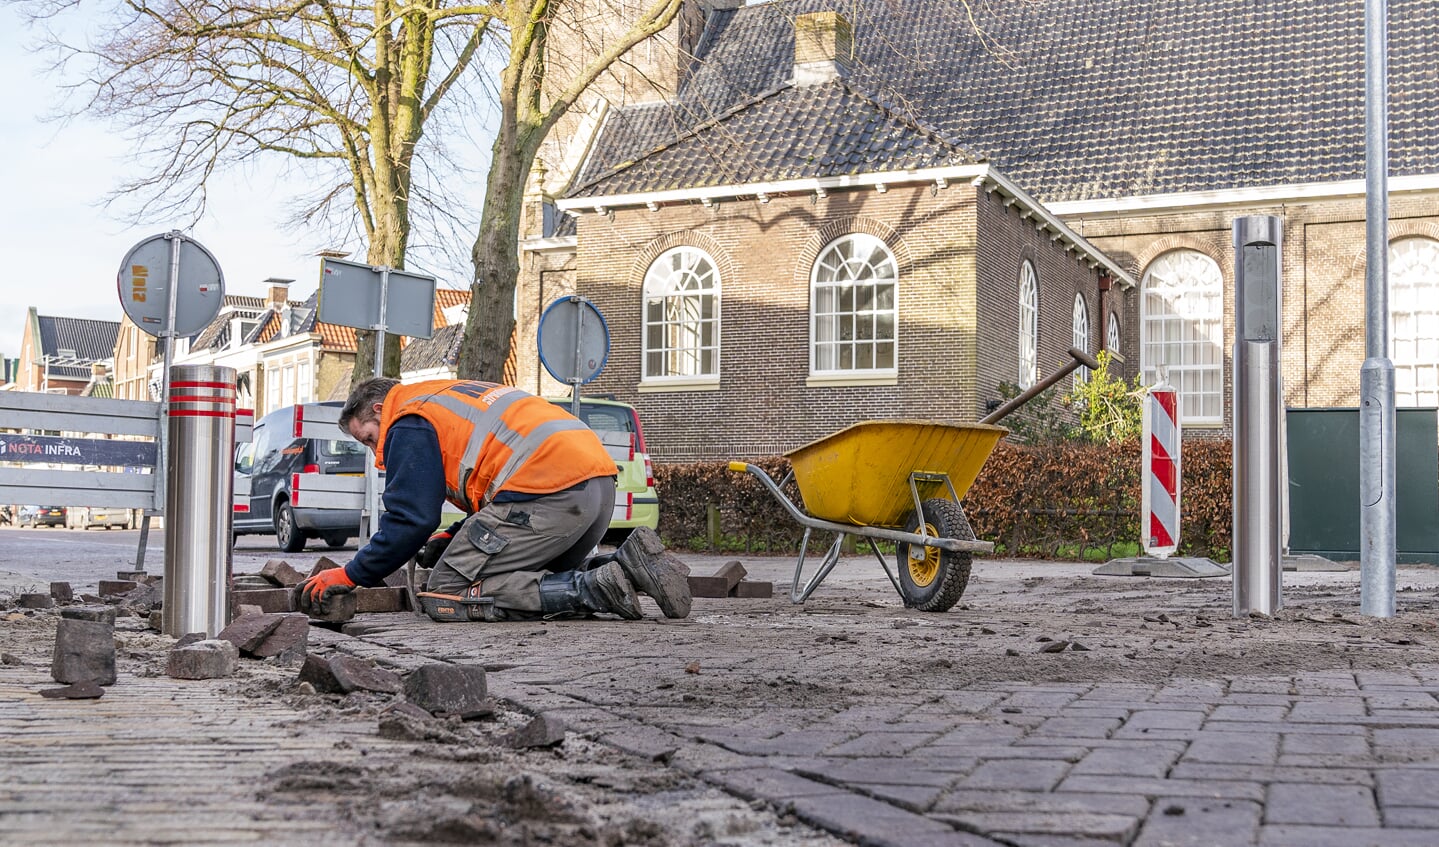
932	580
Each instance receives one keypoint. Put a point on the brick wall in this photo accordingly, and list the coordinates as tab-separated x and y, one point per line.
764	252
1323	284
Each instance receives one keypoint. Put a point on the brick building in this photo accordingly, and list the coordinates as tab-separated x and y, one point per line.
1141	131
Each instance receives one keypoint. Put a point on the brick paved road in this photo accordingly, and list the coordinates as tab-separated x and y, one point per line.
1172	725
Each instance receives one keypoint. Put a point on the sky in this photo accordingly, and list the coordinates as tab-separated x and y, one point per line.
62	246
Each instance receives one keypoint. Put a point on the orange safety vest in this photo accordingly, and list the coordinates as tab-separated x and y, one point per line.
497	438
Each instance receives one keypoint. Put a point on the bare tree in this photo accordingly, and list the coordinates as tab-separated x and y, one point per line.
539	83
348	89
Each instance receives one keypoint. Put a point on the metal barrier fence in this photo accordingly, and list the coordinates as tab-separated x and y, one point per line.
132	486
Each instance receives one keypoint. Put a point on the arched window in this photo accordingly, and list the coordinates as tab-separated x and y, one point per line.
854	303
1414	320
682	316
1028	325
1111	335
1182	331
1081	336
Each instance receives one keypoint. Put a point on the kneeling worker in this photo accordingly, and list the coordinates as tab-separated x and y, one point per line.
538	489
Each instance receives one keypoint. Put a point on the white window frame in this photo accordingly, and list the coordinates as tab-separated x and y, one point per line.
1414	320
681	292
1080	330
1112	334
1196	333
869	264
1028	299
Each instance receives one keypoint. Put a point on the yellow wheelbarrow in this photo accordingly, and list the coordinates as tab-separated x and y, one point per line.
899	481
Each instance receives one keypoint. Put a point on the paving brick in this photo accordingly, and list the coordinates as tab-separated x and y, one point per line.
750	589
1399	700
1048	752
1411	743
981	733
343	674
62	592
1407	787
644	741
1410	817
873	822
84	650
1147	787
895	771
720	583
270	600
339	608
381	600
209	659
323	564
543	730
447	689
247	633
762	783
1077	728
289	641
1152	760
1306	743
1326	709
1010	826
1055	802
1264	773
112	587
880	744
1023	774
1162	719
915	798
803	742
1312	803
1234	748
1345	836
281	573
1248	713
35	601
1196	822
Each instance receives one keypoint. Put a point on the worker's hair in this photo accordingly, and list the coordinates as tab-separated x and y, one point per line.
362	400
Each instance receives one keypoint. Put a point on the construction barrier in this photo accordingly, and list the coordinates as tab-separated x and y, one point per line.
1161	440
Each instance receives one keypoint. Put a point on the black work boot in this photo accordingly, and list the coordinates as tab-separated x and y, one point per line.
655	572
604	589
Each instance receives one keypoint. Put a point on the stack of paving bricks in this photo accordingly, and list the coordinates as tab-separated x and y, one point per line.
729	581
272	590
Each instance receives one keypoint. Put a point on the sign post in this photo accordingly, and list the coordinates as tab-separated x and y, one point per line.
381	299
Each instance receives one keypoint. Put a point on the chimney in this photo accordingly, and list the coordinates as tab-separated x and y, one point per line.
279	293
98	370
823	47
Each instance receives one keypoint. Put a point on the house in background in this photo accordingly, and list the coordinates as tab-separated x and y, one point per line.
766	138
56	354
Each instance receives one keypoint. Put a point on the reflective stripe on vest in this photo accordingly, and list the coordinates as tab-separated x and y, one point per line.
491	421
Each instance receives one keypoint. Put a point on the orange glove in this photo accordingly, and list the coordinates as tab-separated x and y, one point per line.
316	590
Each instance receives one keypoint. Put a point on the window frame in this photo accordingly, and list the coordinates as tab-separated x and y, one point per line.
1212	291
715	291
874	245
1421	292
1078	326
1027	354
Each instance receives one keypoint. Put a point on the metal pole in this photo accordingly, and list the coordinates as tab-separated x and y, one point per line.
172	289
372	475
1376	377
575	381
1258	414
198	510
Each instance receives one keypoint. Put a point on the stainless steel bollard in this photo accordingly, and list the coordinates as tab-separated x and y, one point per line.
1258	409
1257	552
198	507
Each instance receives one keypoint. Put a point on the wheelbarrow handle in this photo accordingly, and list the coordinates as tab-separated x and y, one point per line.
1077	358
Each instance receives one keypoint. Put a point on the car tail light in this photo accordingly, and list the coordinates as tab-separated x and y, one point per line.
649	473
310	469
299	420
294	489
639	433
241	507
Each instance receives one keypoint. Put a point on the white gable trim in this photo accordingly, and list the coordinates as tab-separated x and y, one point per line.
982	175
1240	197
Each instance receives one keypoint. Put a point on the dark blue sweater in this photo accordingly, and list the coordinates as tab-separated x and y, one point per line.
414	500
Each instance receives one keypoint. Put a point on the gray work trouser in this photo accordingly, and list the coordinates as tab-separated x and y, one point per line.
508	547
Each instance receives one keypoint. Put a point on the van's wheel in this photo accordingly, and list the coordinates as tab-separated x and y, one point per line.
932	580
290	537
336	539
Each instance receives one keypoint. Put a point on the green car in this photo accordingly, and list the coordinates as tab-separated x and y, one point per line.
618	426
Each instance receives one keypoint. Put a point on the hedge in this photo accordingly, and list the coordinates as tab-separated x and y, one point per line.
1066	499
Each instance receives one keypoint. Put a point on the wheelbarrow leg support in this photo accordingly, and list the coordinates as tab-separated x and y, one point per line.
831	558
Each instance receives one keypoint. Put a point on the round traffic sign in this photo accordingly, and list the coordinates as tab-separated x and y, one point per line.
574	340
143	284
